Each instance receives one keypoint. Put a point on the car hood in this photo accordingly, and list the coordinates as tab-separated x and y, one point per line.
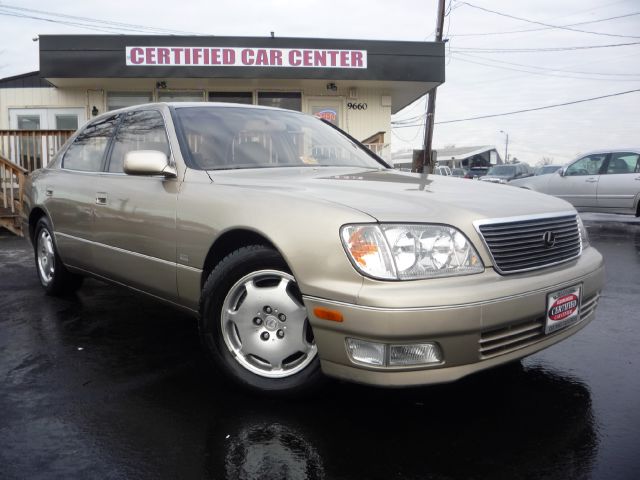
393	196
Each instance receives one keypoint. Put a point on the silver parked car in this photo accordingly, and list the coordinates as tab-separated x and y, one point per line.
301	253
603	181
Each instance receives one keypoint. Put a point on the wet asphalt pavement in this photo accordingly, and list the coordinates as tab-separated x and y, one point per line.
112	385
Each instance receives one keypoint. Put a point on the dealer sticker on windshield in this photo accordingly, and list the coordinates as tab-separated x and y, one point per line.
563	308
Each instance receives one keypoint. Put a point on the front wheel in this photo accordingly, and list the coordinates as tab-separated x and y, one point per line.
254	324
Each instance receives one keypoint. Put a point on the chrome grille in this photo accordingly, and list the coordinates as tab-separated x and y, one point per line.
519	245
513	337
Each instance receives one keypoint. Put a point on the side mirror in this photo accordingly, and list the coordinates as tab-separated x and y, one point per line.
148	162
562	172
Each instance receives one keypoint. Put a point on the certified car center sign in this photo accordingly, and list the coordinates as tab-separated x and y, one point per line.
246	57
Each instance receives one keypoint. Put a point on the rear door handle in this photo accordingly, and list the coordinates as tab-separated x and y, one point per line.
637	178
101	198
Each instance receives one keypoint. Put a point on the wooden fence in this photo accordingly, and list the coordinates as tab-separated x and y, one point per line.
31	149
11	190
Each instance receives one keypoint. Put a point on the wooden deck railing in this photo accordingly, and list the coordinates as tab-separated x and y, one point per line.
31	149
12	178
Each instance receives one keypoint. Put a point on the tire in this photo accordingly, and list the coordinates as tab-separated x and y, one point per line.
254	325
53	275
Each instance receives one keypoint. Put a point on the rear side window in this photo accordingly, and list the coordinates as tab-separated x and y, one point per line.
623	162
88	149
142	130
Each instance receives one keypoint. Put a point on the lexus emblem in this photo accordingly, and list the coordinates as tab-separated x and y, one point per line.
549	239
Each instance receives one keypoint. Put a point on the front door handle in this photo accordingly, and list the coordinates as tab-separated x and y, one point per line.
591	180
48	192
101	198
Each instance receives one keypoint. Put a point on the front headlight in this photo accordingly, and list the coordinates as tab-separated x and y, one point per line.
584	236
410	252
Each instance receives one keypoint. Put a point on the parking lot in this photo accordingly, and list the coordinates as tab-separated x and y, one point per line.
109	384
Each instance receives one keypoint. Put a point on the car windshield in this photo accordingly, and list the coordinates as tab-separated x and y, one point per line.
220	138
502	170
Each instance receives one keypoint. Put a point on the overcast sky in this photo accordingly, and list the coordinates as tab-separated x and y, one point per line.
472	88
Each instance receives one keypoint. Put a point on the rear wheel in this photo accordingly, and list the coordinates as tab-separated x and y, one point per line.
254	324
53	275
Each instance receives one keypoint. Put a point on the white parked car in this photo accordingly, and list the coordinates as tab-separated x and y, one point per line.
602	181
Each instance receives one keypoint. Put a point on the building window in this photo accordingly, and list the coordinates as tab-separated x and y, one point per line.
288	100
164	96
66	122
28	122
232	97
117	100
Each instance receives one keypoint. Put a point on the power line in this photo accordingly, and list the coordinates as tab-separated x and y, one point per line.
112	25
535	22
550	49
509	32
545	74
479	117
607	74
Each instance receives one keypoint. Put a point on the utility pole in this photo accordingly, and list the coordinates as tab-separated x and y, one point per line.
426	159
506	147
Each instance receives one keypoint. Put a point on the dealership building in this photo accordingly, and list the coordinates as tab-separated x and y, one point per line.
356	84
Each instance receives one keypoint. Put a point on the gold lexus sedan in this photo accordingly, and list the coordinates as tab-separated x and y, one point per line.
302	254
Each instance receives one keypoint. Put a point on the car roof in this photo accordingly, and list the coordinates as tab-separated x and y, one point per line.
195	104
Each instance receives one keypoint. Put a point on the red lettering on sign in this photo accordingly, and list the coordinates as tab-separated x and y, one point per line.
187	56
163	56
333	54
275	57
344	58
197	55
228	56
150	56
247	56
206	52
176	54
307	60
320	58
137	56
215	56
261	57
294	58
356	59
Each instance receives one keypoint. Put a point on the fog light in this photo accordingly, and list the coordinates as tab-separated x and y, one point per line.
414	354
366	352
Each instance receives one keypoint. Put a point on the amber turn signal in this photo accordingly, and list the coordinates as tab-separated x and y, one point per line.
327	314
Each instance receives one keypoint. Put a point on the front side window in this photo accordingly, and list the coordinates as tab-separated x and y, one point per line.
589	165
143	130
623	162
88	149
230	138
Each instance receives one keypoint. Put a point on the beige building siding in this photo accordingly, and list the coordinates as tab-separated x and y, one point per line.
39	98
360	123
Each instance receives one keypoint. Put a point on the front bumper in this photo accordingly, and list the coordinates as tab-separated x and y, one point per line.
473	333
